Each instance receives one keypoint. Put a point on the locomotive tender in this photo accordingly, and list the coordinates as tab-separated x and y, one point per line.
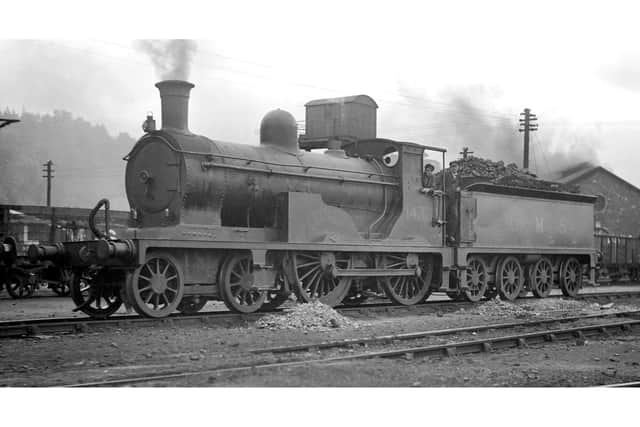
248	225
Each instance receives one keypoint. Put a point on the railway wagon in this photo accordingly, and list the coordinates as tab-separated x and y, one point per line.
249	225
619	258
24	225
515	240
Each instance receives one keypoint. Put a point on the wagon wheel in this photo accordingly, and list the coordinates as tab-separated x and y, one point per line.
274	298
541	278
405	290
19	286
63	287
509	278
314	279
237	285
571	277
156	287
92	297
191	304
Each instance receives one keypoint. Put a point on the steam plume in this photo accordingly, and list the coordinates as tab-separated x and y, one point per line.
171	58
462	118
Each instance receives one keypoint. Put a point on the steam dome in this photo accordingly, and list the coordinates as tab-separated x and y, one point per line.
279	128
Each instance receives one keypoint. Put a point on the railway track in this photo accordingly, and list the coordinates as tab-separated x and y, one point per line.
20	328
481	345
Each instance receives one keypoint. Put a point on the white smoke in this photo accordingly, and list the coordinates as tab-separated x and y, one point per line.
171	58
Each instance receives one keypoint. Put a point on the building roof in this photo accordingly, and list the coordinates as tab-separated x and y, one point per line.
358	99
582	171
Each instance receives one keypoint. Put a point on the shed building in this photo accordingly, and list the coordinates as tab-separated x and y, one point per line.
617	210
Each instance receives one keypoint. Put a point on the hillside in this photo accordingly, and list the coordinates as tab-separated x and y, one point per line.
87	161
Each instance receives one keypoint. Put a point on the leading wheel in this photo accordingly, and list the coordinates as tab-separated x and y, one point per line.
406	290
91	295
20	286
570	277
509	278
314	279
477	279
237	286
541	278
157	286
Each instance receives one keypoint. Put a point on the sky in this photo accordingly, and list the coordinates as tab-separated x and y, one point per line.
450	74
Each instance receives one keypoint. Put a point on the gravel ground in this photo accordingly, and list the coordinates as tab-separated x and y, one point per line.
64	359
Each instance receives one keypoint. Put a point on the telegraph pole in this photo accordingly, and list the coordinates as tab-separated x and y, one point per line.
465	152
527	125
48	170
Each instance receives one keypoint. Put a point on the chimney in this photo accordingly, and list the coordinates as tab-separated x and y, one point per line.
174	95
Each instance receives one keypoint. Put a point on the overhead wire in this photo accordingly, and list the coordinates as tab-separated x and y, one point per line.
451	108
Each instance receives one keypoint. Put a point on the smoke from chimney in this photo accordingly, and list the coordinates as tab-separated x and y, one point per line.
171	58
466	118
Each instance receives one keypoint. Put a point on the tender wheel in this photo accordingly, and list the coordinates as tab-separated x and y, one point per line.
237	285
477	279
63	287
19	286
314	280
541	278
190	305
571	277
92	297
406	290
509	278
274	298
157	286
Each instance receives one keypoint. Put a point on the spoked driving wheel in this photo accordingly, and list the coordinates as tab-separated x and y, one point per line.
541	277
571	277
191	304
157	286
406	290
237	284
314	278
509	278
20	285
92	296
477	279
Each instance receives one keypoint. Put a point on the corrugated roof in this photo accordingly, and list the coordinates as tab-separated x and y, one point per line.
358	99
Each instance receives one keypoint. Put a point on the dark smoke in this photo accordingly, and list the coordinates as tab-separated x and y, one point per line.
171	58
467	118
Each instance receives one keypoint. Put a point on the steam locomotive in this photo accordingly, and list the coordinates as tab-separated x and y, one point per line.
249	225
